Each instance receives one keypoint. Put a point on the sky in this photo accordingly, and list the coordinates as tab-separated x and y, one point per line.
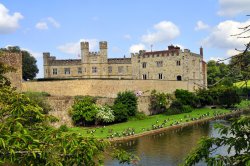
128	26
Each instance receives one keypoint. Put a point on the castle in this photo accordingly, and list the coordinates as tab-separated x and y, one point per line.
173	64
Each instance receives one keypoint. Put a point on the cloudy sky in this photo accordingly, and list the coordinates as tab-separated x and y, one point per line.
128	25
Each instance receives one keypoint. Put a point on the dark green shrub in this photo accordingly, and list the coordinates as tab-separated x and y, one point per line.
84	111
120	112
158	102
186	97
177	107
129	101
39	98
63	128
228	97
139	116
205	97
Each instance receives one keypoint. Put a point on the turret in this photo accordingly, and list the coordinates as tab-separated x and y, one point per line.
46	56
103	46
84	51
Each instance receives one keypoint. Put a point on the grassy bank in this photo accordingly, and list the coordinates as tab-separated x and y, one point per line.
152	123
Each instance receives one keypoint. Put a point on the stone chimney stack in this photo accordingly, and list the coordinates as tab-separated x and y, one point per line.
201	52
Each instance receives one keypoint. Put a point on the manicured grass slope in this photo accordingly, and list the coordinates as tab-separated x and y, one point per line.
139	126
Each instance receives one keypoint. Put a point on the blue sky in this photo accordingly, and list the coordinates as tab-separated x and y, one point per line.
58	26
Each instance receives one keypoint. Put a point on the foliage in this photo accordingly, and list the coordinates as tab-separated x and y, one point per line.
228	96
105	114
139	116
120	112
236	137
29	67
84	111
129	101
177	107
205	97
158	102
39	98
218	74
186	97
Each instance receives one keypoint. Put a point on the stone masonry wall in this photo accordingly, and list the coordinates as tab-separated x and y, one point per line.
105	88
14	60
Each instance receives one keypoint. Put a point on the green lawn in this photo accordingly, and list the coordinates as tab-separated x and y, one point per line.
139	126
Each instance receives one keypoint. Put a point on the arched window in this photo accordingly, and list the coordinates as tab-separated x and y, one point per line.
179	78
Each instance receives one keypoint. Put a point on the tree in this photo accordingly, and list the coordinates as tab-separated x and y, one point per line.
129	100
159	102
29	66
235	137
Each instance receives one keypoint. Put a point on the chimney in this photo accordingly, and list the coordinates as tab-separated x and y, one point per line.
201	52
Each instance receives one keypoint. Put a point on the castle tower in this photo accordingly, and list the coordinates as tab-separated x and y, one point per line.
85	52
46	56
103	51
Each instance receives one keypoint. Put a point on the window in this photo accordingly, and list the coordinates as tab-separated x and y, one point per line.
178	63
178	78
110	69
54	71
79	70
120	69
144	76
66	70
159	63
144	64
94	69
160	76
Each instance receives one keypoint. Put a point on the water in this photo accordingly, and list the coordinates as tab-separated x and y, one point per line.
169	148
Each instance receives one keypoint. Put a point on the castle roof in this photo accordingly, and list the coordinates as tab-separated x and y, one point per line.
119	60
67	62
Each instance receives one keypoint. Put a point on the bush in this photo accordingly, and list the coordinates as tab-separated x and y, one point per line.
186	97
63	128
229	97
129	101
139	116
205	97
158	102
177	108
105	114
84	111
120	112
39	98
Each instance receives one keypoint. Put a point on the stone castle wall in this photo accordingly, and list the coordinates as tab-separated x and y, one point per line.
14	60
105	88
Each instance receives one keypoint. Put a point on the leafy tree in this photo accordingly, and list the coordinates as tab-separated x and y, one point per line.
177	107
235	137
120	112
228	97
159	102
186	97
29	67
84	111
129	100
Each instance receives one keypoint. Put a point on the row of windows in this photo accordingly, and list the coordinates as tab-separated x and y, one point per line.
160	77
159	64
158	55
67	71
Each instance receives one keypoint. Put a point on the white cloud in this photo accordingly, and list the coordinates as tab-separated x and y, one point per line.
74	47
232	52
215	58
8	23
42	26
33	53
234	7
136	48
53	22
164	31
221	35
201	25
127	37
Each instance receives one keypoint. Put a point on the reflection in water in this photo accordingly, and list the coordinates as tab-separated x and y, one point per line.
166	149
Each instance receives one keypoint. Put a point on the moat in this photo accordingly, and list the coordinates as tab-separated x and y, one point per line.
167	148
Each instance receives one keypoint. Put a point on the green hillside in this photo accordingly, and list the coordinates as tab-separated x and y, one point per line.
242	84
